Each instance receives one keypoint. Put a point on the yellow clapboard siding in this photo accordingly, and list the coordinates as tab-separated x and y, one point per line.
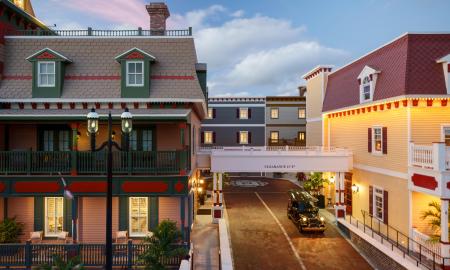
426	123
351	132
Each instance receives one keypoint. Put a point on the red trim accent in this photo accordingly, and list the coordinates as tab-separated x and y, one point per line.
91	78
46	55
33	106
182	125
2	187
217	213
136	105
161	105
17	77
363	110
160	77
424	181
47	106
88	187
111	105
141	187
85	105
415	102
21	105
74	125
174	106
149	105
369	109
444	102
340	213
123	105
429	102
135	55
183	172
381	107
74	172
405	103
97	105
375	108
59	105
396	104
72	105
179	187
388	106
36	187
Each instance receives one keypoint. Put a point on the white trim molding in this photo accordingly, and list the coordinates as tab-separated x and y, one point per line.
378	170
315	119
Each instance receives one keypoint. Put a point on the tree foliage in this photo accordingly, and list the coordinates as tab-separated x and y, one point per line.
73	263
10	230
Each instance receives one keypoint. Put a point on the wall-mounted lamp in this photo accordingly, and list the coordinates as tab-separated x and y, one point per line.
202	181
78	135
355	188
332	179
113	135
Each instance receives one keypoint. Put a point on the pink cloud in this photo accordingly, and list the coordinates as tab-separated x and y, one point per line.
129	12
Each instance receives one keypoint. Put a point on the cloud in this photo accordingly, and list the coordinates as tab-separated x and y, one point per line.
237	13
196	18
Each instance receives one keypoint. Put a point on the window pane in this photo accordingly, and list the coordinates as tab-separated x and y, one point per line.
139	79
138	67
42	68
54	215
210	113
131	79
274	113
138	215
51	79
131	67
43	79
133	140
243	137
243	113
208	137
274	135
301	113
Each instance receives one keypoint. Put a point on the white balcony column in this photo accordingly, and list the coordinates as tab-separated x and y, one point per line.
439	155
214	194
217	211
219	191
445	246
340	204
337	189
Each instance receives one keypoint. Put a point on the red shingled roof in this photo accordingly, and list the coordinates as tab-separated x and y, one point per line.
408	67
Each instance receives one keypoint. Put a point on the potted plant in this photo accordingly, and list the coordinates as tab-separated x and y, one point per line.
313	185
161	245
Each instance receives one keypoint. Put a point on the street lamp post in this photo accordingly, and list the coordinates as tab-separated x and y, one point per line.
92	122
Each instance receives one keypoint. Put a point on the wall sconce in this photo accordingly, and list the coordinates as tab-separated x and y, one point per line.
78	135
332	179
355	188
113	135
202	181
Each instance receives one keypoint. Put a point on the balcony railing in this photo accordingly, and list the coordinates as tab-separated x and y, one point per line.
133	162
101	33
124	255
434	157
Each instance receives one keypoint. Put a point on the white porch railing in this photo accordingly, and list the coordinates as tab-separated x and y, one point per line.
424	240
434	157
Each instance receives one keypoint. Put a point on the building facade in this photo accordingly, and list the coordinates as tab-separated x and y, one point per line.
49	84
286	121
390	107
234	122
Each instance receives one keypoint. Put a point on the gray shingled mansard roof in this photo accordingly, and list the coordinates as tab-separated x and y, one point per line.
173	73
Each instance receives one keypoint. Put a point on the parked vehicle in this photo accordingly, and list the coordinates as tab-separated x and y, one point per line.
302	210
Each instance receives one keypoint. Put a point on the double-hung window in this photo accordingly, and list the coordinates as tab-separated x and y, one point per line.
55	140
301	113
141	139
135	73
54	215
208	137
377	140
274	136
243	137
243	113
378	203
46	74
210	113
366	91
138	216
274	113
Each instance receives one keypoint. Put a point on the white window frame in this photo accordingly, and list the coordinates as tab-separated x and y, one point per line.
367	83
140	234
48	74
241	110
205	141
374	150
240	137
374	205
46	231
303	115
135	73
277	110
210	113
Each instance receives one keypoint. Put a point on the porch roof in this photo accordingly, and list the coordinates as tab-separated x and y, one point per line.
80	114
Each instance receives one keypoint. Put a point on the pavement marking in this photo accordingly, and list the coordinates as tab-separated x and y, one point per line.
300	261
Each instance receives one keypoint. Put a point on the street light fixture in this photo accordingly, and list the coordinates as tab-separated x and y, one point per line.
92	122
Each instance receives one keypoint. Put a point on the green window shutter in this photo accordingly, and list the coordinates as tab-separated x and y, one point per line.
154	212
68	216
123	213
39	213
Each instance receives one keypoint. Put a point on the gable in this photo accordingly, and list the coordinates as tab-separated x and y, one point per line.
48	54
135	54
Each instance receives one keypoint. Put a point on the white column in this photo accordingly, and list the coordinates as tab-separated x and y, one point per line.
214	193
339	207
444	221
342	187
439	156
337	187
219	193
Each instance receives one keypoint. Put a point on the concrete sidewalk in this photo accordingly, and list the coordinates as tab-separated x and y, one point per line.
205	237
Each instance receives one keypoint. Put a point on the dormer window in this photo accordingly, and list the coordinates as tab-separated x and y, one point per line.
366	94
367	82
135	73
445	62
46	74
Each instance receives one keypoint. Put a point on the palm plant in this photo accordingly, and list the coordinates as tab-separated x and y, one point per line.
161	245
314	183
433	215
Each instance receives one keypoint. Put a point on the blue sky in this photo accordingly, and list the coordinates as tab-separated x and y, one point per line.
262	47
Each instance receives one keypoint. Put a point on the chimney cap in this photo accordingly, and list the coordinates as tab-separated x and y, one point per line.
158	8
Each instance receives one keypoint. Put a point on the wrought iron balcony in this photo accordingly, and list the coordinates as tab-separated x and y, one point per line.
133	162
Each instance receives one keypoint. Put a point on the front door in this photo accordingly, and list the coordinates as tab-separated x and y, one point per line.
348	193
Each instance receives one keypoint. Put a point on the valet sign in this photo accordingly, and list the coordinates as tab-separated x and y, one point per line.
279	166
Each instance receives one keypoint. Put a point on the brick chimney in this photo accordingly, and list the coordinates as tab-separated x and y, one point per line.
159	12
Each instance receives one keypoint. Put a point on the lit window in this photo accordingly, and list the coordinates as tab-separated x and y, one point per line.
54	215
208	137
46	74
377	140
301	136
274	136
274	113
378	201
243	137
243	113
210	113
135	73
301	113
366	93
447	136
138	216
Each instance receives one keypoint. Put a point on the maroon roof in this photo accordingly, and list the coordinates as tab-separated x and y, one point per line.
407	65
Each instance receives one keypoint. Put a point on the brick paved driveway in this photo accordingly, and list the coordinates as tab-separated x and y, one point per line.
258	242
